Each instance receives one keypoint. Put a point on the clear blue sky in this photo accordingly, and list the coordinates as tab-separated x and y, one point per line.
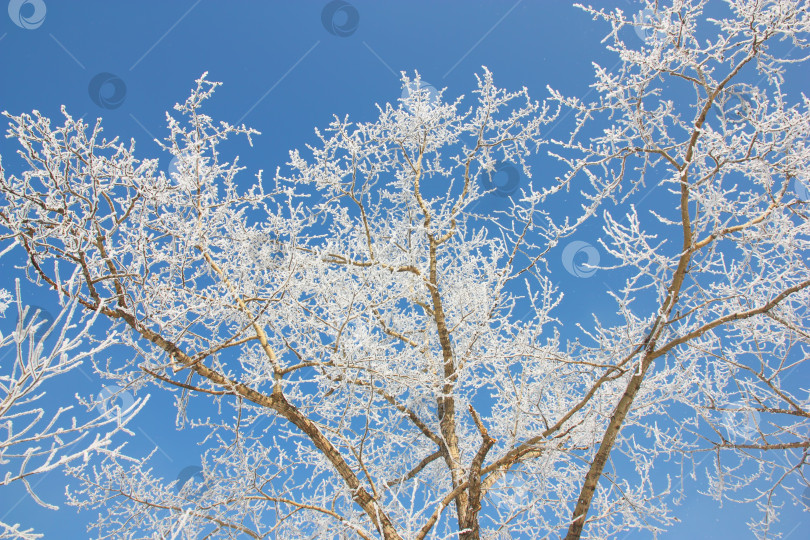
284	73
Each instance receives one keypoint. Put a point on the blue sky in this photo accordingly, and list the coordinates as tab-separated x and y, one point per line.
285	73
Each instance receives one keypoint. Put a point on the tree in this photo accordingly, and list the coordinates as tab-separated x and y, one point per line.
36	438
365	309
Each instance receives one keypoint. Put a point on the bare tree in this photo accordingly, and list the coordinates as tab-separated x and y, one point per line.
362	316
38	439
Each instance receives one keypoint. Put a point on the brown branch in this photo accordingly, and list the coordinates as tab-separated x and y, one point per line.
471	529
187	386
416	470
